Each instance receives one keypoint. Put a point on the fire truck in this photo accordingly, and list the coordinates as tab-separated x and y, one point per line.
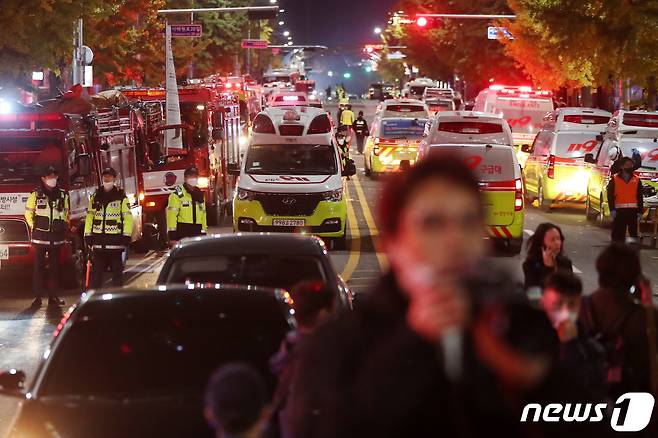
79	140
210	130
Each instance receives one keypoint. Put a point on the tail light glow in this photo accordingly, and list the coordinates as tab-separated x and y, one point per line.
551	166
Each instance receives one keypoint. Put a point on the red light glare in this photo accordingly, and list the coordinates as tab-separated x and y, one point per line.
422	22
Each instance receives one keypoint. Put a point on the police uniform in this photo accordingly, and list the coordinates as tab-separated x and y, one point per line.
108	228
47	214
361	131
347	118
186	213
626	199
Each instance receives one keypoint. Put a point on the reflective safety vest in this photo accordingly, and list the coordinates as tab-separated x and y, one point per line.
186	214
347	117
48	216
626	192
361	127
109	221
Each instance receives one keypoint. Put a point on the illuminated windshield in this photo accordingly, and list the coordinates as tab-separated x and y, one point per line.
23	159
291	159
195	115
403	128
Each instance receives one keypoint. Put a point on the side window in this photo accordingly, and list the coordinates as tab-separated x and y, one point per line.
540	145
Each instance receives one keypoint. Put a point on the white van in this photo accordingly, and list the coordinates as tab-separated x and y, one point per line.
293	178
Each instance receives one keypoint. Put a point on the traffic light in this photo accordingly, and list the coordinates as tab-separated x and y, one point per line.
347	75
422	22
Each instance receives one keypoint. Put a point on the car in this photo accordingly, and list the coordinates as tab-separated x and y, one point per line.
626	131
414	89
261	259
134	362
293	177
288	98
439	99
407	108
392	141
555	171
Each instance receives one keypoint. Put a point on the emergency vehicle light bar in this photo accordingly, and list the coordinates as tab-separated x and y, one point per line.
524	91
31	117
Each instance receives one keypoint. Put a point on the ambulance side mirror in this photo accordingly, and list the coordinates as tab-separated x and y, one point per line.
84	164
589	158
527	148
599	138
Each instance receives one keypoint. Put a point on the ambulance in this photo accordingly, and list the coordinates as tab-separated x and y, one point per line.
556	171
626	131
392	140
293	178
523	107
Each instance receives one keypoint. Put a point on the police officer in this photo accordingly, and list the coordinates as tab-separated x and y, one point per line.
361	130
108	228
186	210
626	201
47	214
347	117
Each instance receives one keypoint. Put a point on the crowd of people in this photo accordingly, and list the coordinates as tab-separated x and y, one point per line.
445	344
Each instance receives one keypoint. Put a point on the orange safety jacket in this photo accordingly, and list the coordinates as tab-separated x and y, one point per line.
626	194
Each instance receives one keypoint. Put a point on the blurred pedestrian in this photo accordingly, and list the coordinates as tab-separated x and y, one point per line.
626	201
47	214
108	229
343	144
581	355
313	303
429	352
236	402
361	130
614	314
545	255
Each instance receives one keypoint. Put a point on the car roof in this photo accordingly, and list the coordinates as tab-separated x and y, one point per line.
249	243
460	115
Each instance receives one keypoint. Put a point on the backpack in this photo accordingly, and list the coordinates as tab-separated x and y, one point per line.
619	374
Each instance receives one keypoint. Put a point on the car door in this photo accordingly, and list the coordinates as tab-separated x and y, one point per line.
600	175
531	171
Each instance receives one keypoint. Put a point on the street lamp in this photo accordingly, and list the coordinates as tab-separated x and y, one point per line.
378	30
272	2
286	33
281	23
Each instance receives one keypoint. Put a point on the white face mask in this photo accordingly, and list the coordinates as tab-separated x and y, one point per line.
108	185
51	182
192	182
559	317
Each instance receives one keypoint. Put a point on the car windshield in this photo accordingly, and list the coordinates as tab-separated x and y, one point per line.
470	131
195	114
394	129
647	147
488	164
418	90
523	115
22	159
164	346
291	159
269	270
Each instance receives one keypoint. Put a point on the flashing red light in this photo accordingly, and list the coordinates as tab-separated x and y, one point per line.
370	49
422	22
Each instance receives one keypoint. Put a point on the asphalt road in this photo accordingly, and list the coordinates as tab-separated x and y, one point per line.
24	333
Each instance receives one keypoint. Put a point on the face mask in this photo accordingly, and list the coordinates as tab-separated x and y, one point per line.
627	171
108	186
558	317
192	182
51	182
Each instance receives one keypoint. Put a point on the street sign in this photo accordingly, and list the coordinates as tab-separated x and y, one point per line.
255	44
396	55
497	33
186	30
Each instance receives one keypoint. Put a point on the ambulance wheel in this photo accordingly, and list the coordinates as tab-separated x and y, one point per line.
601	219
514	246
74	272
544	204
590	214
367	170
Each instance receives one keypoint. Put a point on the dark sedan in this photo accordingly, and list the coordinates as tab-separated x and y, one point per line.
133	363
269	260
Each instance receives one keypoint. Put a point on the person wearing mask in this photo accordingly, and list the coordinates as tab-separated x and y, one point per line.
614	314
545	256
625	201
186	209
580	354
343	145
47	215
361	130
428	351
236	402
108	230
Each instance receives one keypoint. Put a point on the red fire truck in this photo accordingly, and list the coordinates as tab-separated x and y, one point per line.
210	129
77	139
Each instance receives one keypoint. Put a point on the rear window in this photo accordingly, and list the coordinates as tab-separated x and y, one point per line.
575	145
585	119
471	127
644	120
405	108
488	164
418	90
403	128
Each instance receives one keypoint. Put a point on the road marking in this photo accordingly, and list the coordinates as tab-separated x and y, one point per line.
370	221
355	241
575	268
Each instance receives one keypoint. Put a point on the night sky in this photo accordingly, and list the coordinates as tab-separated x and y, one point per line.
335	22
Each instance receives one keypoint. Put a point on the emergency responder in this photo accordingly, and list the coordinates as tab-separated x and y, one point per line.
108	228
47	214
347	117
186	210
625	201
343	144
361	131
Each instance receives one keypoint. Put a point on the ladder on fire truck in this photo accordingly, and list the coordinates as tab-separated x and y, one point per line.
112	123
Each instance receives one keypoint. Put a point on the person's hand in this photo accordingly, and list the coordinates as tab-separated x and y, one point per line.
613	214
431	314
549	256
567	331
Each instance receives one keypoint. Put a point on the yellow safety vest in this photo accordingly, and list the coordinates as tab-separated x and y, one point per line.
48	219
109	221
185	216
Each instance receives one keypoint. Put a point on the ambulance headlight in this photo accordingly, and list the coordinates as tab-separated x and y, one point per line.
245	195
244	141
333	196
5	107
203	182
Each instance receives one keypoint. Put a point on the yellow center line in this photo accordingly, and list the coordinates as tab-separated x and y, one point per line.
355	240
370	221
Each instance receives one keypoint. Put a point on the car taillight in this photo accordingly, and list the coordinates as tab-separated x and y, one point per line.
518	197
551	166
319	125
375	149
263	125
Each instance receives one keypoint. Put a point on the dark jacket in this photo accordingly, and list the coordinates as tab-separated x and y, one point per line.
361	127
535	272
367	374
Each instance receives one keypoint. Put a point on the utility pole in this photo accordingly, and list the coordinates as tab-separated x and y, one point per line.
78	63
